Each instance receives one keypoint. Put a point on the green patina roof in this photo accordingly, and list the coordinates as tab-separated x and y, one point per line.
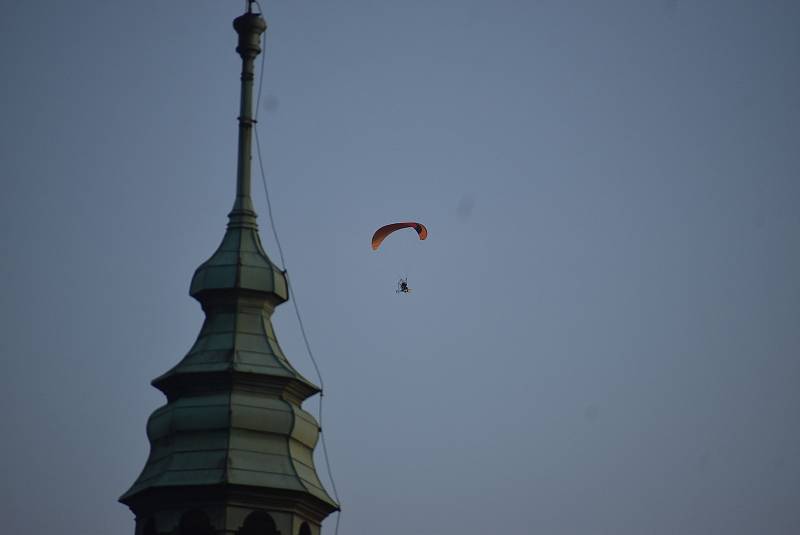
233	414
240	262
238	337
238	438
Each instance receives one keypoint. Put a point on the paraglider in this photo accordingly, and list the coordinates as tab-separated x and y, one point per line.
382	233
385	230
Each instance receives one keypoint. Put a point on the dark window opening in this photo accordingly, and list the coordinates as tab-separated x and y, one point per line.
258	523
195	523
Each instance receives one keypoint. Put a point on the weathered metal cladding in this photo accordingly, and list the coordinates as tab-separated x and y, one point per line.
241	263
271	444
239	437
188	444
237	336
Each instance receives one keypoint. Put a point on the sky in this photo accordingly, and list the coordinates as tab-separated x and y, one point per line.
603	332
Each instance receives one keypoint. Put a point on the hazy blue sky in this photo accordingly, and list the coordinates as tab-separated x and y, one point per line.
604	329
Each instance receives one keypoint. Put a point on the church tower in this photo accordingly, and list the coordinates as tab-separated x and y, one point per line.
231	451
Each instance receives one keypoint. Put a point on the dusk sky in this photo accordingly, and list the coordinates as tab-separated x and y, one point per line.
604	329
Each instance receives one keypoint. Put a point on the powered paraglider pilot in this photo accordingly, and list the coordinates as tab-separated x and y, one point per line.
402	286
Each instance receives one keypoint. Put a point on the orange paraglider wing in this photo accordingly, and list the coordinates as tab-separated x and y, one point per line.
384	231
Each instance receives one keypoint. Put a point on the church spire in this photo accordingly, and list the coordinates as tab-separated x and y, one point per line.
232	450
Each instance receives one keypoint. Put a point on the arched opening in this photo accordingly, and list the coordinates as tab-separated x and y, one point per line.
258	523
304	529
150	527
195	522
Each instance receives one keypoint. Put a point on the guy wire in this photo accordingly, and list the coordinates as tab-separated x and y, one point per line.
288	281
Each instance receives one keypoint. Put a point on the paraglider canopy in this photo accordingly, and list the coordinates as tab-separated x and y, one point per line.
385	230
